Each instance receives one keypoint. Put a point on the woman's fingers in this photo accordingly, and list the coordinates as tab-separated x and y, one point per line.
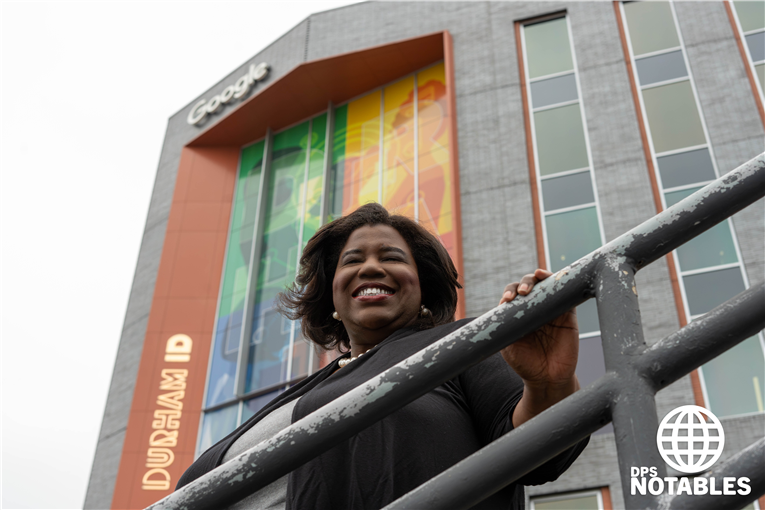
527	283
509	294
524	286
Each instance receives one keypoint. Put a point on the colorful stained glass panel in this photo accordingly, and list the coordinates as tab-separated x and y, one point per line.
216	425
435	181
398	147
268	358
225	347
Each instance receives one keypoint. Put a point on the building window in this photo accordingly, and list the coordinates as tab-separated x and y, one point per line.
570	220
590	500
750	22
412	172
709	267
390	146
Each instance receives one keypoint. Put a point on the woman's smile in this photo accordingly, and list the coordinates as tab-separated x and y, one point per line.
372	292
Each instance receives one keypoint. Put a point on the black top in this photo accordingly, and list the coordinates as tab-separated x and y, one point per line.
408	447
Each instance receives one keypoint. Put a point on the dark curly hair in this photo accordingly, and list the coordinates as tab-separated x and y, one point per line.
309	299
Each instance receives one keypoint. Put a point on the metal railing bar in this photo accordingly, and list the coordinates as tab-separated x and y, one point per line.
498	464
749	463
423	371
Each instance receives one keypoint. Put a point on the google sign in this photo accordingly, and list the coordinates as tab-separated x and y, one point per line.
236	91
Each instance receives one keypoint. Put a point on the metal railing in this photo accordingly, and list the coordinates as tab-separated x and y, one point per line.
625	395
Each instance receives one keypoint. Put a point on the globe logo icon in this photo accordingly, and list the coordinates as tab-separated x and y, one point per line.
690	439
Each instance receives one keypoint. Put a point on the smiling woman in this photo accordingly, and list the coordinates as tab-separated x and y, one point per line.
369	247
380	288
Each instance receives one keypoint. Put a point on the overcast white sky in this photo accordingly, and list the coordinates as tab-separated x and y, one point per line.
87	88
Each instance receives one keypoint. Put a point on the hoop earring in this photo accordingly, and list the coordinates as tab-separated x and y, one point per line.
336	316
424	312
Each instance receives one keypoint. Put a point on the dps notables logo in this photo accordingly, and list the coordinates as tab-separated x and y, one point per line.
690	439
688	442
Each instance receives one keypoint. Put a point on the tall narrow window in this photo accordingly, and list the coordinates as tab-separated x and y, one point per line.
750	22
256	352
391	146
709	266
410	120
570	214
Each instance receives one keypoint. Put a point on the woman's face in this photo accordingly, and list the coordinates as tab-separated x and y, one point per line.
376	289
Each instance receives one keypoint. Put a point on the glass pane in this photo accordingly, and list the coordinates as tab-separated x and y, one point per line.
216	425
751	15
269	349
361	179
661	67
571	502
434	169
560	140
338	163
398	147
567	191
756	43
254	405
571	235
651	26
269	344
708	290
354	151
547	48
553	90
315	183
712	248
676	196
686	168
301	353
590	367
760	72
587	316
735	380
673	117
231	309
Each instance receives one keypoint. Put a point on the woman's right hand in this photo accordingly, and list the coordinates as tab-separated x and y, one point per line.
546	358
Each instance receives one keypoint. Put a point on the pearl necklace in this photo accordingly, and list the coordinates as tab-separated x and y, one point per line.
345	361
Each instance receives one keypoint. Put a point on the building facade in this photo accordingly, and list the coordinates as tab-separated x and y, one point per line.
523	134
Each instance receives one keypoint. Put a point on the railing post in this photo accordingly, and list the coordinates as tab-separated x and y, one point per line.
633	410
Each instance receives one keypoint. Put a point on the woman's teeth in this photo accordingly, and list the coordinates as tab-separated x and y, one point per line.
373	291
